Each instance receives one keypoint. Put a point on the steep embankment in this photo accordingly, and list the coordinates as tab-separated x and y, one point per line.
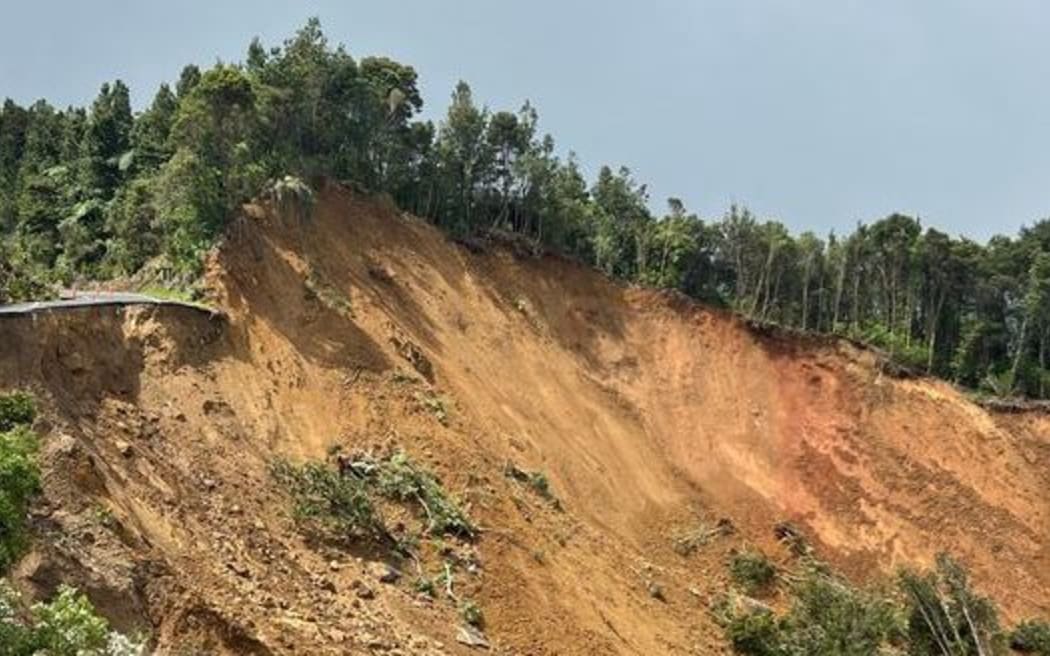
650	416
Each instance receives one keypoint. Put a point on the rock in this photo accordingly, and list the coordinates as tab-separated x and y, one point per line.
337	636
362	590
655	591
472	637
62	444
240	569
124	448
384	573
371	641
412	353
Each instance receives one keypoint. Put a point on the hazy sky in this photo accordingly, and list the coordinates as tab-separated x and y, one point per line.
816	112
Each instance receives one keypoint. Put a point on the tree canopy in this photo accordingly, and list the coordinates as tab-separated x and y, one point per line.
100	191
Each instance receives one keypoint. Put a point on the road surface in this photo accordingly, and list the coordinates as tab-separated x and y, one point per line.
95	299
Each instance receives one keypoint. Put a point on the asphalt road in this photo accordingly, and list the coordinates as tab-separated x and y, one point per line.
94	299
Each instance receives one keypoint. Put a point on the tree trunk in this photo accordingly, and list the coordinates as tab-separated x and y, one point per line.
839	283
1020	352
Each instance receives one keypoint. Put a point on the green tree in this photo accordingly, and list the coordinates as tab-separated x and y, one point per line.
106	139
151	133
464	158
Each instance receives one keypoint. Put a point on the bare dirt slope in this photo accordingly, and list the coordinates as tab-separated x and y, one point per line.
650	416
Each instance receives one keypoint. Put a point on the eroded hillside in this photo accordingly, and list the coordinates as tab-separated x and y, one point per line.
359	329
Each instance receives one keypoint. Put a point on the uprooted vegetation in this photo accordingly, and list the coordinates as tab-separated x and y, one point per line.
687	542
752	570
933	612
537	481
1031	637
345	498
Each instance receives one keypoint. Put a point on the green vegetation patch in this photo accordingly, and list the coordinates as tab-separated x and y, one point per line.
933	612
1031	637
341	504
472	614
68	625
536	480
16	409
752	570
399	478
19	473
345	497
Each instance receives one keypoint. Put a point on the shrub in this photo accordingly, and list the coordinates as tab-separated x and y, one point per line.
68	625
1031	637
756	632
324	495
397	477
293	196
425	585
752	570
537	480
342	499
19	473
15	637
472	614
827	616
932	613
436	405
945	615
16	409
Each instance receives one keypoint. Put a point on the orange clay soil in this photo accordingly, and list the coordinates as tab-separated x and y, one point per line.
650	416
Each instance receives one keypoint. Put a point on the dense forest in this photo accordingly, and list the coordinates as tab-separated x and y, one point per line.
102	191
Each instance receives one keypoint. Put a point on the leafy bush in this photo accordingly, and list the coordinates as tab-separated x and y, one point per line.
752	570
911	354
472	614
68	625
945	616
425	585
756	632
19	474
827	616
931	613
16	409
397	477
323	494
435	405
537	480
1031	637
343	498
293	196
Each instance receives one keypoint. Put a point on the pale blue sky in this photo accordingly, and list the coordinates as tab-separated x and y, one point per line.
817	112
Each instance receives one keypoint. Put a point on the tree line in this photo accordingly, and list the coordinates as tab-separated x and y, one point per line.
102	191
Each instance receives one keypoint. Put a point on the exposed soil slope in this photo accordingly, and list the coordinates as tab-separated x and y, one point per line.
650	416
